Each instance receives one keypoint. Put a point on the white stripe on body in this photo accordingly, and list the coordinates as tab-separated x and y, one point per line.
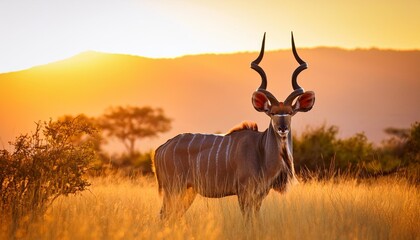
227	159
199	156
209	156
164	160
190	165
160	160
173	154
217	159
227	154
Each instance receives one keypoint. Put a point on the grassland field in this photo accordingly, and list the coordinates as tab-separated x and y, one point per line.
120	208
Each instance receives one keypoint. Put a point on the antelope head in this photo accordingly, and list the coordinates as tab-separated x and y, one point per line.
281	112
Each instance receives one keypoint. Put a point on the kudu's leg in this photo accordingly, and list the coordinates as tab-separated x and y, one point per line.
250	202
175	204
250	207
187	199
165	211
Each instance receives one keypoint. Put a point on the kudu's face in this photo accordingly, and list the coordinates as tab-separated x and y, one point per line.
281	112
281	119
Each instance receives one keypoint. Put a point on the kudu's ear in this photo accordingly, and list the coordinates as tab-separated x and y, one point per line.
260	102
305	102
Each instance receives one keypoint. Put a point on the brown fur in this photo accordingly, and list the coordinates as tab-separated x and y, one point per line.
245	125
246	163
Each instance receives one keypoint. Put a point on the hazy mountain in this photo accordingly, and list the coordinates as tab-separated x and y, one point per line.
358	90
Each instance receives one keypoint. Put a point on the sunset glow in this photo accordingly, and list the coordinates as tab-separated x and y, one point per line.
39	32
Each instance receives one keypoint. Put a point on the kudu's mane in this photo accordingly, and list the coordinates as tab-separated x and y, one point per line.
243	126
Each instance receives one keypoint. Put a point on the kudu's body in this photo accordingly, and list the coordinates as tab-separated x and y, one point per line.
244	162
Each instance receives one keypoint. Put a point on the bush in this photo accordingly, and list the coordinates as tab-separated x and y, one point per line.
354	153
131	165
319	152
403	148
412	155
43	166
314	150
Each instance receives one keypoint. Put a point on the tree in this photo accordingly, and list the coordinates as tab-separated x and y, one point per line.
130	124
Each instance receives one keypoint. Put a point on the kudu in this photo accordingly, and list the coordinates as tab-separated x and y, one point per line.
244	162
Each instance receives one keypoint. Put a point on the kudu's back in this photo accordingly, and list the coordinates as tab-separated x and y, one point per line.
207	163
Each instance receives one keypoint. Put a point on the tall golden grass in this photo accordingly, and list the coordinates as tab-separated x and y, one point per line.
118	208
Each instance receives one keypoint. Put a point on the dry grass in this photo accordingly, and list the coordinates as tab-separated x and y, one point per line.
115	208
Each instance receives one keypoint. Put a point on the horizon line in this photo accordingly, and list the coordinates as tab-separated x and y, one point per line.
207	53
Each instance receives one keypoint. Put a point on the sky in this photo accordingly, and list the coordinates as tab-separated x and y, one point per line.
43	31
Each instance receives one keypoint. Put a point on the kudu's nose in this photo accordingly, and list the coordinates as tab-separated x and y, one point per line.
283	129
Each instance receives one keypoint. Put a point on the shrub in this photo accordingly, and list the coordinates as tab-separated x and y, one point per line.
314	150
405	148
43	166
319	151
130	165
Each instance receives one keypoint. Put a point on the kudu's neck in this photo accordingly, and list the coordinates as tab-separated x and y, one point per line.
278	152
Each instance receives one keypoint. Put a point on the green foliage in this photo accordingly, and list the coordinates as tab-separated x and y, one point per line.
403	147
319	150
353	151
136	164
412	155
315	149
43	166
143	162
